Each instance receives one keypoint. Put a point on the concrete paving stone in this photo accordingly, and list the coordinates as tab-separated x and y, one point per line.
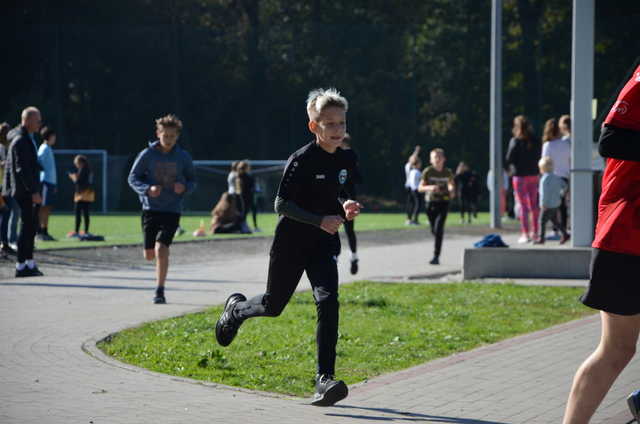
45	321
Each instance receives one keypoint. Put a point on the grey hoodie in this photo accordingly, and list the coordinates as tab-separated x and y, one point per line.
153	167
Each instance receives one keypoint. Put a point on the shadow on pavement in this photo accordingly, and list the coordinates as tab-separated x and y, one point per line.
408	416
108	287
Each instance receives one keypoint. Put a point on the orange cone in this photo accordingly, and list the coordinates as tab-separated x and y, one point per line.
200	232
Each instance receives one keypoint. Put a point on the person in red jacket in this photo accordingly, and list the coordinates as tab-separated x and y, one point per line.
614	288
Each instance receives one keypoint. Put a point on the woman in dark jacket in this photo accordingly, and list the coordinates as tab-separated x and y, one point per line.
522	158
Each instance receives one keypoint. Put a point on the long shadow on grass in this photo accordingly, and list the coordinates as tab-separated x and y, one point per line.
408	416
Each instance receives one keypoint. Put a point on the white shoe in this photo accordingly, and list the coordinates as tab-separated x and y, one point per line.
524	239
257	230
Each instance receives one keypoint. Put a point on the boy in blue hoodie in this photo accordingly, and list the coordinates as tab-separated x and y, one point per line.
161	175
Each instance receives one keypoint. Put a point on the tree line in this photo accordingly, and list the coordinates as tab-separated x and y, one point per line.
237	72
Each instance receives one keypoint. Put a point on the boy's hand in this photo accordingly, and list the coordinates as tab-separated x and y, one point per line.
331	223
351	209
179	188
154	190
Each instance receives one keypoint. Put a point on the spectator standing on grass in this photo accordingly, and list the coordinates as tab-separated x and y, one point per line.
615	262
556	144
22	182
84	194
5	201
48	181
415	175
412	201
245	186
162	175
522	157
467	190
550	192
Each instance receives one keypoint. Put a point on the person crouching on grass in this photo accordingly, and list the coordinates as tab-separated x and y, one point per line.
311	208
162	175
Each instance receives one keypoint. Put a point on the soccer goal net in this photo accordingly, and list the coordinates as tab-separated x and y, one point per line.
212	182
98	161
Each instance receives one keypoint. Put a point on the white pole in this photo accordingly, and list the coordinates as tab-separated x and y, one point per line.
582	123
496	111
105	158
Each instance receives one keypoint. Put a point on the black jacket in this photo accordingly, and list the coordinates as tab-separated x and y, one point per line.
523	157
22	172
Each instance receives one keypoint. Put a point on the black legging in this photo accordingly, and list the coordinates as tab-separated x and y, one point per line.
351	235
437	215
467	204
285	271
82	207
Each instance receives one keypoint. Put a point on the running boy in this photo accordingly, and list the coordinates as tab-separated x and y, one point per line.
161	175
437	183
311	210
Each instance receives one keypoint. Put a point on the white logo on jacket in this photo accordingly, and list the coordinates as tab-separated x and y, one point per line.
342	176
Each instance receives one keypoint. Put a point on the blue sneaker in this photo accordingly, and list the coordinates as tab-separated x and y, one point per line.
634	404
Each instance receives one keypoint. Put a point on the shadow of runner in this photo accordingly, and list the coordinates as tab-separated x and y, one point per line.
107	287
408	416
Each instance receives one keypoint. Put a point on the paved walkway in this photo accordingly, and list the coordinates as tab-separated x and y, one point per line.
51	372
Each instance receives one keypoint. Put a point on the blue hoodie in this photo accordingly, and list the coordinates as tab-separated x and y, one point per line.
153	167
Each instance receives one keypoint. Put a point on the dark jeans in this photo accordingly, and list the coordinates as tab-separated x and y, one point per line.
550	214
411	203
27	229
437	215
351	235
285	271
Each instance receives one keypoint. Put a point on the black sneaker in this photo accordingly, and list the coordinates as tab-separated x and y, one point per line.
24	272
159	299
329	390
634	404
354	266
35	272
435	261
227	326
8	250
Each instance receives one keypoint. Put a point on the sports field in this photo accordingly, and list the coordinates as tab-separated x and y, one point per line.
124	229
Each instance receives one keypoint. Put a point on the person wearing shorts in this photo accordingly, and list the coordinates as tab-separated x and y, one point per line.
162	175
614	288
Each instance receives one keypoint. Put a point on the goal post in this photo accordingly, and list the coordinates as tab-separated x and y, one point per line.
212	182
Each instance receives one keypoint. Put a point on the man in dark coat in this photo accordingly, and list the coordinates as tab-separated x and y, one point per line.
22	183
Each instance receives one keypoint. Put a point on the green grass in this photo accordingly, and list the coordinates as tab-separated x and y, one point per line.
383	328
120	229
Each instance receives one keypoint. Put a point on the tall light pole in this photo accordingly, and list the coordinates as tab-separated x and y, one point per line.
496	111
582	123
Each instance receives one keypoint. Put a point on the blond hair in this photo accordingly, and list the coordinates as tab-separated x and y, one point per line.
27	112
169	121
545	164
438	150
320	99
